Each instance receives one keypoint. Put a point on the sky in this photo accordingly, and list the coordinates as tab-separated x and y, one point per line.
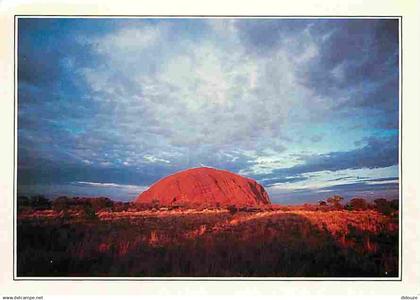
307	107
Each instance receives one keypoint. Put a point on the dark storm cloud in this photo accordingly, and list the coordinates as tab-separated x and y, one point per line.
362	187
131	101
266	34
49	173
382	179
287	179
378	153
367	50
357	65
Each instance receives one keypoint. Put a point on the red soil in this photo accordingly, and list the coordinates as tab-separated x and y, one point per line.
205	187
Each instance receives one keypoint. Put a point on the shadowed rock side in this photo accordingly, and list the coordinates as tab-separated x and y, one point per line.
205	187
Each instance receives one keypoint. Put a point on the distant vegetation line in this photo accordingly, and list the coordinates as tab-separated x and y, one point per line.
92	205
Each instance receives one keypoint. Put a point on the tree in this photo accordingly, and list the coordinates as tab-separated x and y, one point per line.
322	203
23	202
395	204
61	203
383	206
348	207
89	212
122	206
358	204
100	203
39	202
335	201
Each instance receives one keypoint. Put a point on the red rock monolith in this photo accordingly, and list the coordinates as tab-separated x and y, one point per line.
205	187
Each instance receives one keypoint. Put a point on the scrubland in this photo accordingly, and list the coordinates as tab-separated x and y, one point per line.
279	241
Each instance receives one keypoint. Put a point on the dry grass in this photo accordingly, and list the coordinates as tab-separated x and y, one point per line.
284	242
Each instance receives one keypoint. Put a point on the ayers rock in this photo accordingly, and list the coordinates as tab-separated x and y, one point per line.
205	187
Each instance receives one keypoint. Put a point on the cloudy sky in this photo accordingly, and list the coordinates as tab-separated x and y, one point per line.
309	108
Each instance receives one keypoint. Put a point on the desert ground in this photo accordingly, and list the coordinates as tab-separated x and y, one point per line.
101	238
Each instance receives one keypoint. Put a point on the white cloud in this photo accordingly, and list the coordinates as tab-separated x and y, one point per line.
197	97
153	159
128	39
112	185
382	182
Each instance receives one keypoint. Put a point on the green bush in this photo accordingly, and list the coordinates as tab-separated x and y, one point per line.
383	206
358	204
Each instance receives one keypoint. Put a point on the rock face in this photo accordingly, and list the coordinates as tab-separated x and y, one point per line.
205	187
